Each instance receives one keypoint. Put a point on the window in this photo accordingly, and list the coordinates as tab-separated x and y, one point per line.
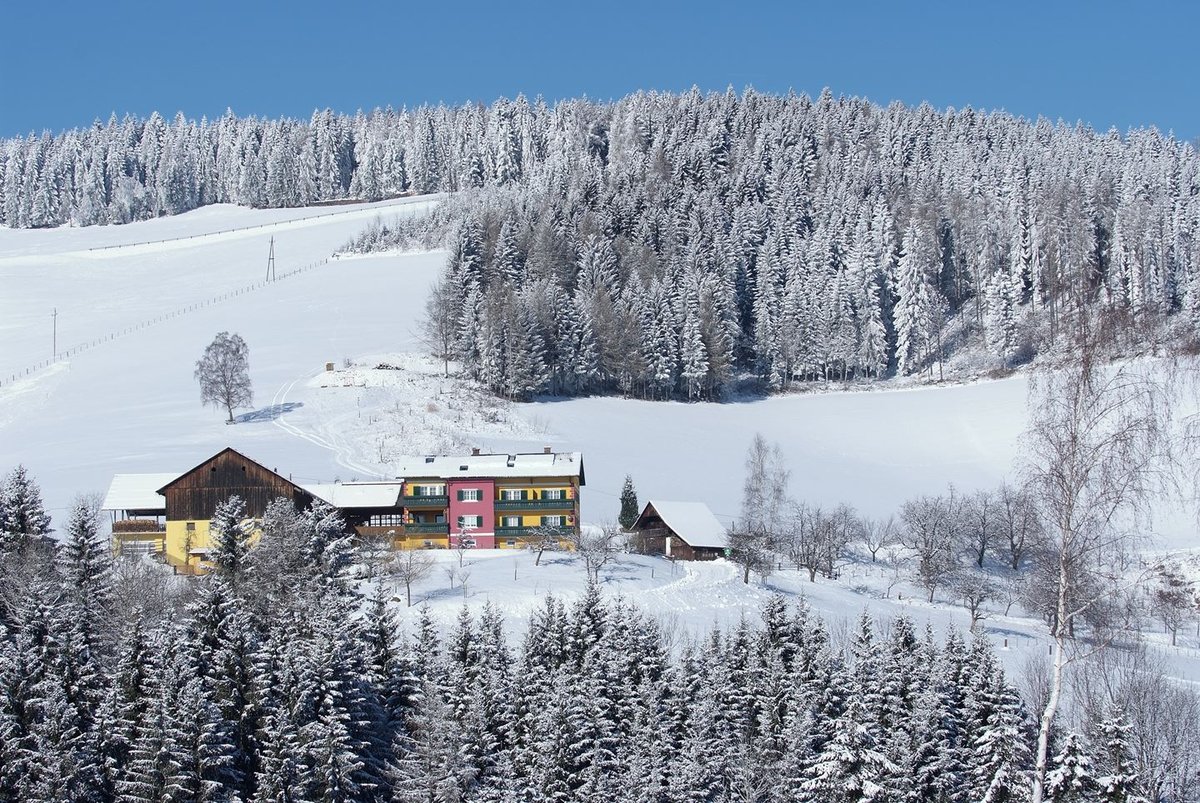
513	494
470	495
554	493
470	522
428	490
191	527
385	520
510	542
553	521
510	521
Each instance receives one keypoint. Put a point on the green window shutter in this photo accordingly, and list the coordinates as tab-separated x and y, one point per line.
524	495
460	494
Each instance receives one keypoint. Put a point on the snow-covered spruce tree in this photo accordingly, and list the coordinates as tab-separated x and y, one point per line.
1001	315
230	531
629	503
1113	763
23	518
86	564
1071	779
915	305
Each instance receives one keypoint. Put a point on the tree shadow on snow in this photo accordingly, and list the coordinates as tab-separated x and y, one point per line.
267	413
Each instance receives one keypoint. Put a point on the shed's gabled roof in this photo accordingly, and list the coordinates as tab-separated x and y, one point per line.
691	521
138	492
206	461
348	495
448	467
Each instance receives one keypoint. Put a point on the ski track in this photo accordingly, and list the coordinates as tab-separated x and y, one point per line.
341	451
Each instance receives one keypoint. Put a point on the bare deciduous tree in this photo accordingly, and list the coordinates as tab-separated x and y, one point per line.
877	534
755	540
930	532
224	373
816	540
1095	455
978	526
973	588
545	536
1173	600
438	327
598	546
410	567
1018	525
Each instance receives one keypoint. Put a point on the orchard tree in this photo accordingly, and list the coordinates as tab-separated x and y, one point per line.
224	374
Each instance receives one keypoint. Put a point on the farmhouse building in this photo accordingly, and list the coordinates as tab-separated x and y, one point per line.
479	500
680	530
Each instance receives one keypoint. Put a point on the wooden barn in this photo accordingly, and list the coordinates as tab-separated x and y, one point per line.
680	530
192	498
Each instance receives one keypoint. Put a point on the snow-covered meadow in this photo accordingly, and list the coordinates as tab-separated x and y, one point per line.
131	404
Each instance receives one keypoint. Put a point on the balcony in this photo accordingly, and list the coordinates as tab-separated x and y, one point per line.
400	530
427	501
520	532
535	504
426	529
138	527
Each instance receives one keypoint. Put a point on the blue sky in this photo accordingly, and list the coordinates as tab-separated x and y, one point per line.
66	63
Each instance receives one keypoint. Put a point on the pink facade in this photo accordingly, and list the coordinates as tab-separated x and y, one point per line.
461	504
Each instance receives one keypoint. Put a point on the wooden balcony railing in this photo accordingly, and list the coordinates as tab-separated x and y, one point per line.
535	504
426	501
132	526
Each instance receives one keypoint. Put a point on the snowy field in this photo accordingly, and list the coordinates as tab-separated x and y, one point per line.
131	404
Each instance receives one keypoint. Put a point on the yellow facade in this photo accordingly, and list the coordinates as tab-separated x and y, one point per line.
524	541
182	541
421	542
187	548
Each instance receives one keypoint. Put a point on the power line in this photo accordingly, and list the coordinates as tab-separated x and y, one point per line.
271	261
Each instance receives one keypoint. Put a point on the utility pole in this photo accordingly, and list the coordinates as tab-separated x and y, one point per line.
54	318
271	262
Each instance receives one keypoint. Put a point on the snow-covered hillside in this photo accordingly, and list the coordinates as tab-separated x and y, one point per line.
131	404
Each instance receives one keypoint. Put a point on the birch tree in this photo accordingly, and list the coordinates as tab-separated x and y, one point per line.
1095	455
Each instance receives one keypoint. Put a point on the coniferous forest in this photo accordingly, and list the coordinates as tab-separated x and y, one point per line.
283	676
666	245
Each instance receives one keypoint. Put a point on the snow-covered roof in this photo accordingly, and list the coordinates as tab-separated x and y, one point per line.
693	522
539	464
344	495
137	492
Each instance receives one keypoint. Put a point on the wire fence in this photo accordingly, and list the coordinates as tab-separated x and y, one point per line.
186	237
157	319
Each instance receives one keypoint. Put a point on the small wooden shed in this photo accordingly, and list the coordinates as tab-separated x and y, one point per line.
680	530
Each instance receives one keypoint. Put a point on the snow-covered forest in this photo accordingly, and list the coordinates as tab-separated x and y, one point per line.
281	677
663	244
668	244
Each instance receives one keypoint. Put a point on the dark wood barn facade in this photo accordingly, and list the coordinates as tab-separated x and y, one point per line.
196	494
679	530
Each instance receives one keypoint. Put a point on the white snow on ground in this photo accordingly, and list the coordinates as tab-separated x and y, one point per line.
690	598
131	405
